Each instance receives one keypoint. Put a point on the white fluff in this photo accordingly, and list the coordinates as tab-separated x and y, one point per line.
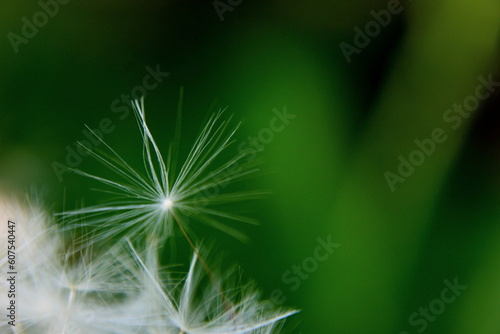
166	198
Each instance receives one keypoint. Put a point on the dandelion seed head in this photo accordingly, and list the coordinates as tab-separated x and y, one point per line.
192	184
71	287
222	308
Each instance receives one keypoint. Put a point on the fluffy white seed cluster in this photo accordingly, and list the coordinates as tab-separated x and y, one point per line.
75	285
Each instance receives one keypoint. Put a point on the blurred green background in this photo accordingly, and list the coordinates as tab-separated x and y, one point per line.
325	169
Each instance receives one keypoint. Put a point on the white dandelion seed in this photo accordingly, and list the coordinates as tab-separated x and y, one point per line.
187	307
154	203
